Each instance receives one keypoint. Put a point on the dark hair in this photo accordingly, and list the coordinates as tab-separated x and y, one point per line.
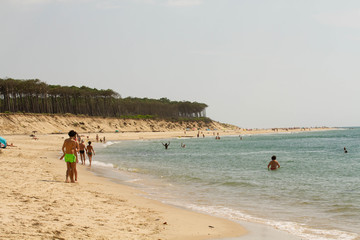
89	142
273	157
72	133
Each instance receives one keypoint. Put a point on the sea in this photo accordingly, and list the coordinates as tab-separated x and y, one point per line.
315	194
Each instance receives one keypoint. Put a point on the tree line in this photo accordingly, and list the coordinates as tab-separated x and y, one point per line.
35	96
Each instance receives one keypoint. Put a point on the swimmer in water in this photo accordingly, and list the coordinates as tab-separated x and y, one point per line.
273	164
166	145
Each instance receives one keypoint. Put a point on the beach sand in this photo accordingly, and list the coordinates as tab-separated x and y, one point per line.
36	203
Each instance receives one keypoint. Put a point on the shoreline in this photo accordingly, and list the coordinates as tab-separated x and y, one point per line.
34	214
38	204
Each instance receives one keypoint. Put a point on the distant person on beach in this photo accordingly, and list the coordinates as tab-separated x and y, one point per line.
273	164
183	145
217	136
82	152
90	151
69	150
97	138
166	145
345	150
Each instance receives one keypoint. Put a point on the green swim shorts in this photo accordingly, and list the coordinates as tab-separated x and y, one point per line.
70	158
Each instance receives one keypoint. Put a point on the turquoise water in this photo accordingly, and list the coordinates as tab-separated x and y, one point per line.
314	195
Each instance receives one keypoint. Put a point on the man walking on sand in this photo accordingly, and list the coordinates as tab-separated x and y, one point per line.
69	149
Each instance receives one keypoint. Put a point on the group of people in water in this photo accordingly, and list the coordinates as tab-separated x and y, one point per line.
75	144
273	164
70	148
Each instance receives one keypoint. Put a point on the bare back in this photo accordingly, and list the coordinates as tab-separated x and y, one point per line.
82	146
69	146
273	164
89	148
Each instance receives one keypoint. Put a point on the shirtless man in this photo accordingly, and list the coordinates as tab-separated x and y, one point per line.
69	150
82	152
90	151
166	145
273	164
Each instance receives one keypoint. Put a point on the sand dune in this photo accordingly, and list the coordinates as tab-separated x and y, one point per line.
42	124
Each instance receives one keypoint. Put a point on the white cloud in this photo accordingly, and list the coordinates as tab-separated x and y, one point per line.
349	19
184	3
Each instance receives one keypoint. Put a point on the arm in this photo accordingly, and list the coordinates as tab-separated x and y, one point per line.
76	148
63	148
92	149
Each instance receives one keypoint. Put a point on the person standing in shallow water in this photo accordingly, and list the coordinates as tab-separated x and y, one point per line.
90	151
273	164
166	145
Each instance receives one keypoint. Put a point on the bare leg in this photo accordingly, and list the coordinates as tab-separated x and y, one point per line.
82	158
68	167
71	172
75	172
90	157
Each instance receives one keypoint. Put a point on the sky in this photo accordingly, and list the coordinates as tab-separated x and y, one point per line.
255	63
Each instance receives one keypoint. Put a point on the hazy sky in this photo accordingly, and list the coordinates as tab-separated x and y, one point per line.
256	63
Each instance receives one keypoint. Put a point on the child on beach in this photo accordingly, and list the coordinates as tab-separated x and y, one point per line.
273	164
90	151
69	149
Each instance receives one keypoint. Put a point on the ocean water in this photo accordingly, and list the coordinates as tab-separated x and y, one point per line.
314	195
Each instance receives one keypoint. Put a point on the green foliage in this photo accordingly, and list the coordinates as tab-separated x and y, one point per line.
34	96
138	116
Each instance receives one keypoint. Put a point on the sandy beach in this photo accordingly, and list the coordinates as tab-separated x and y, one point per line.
38	204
